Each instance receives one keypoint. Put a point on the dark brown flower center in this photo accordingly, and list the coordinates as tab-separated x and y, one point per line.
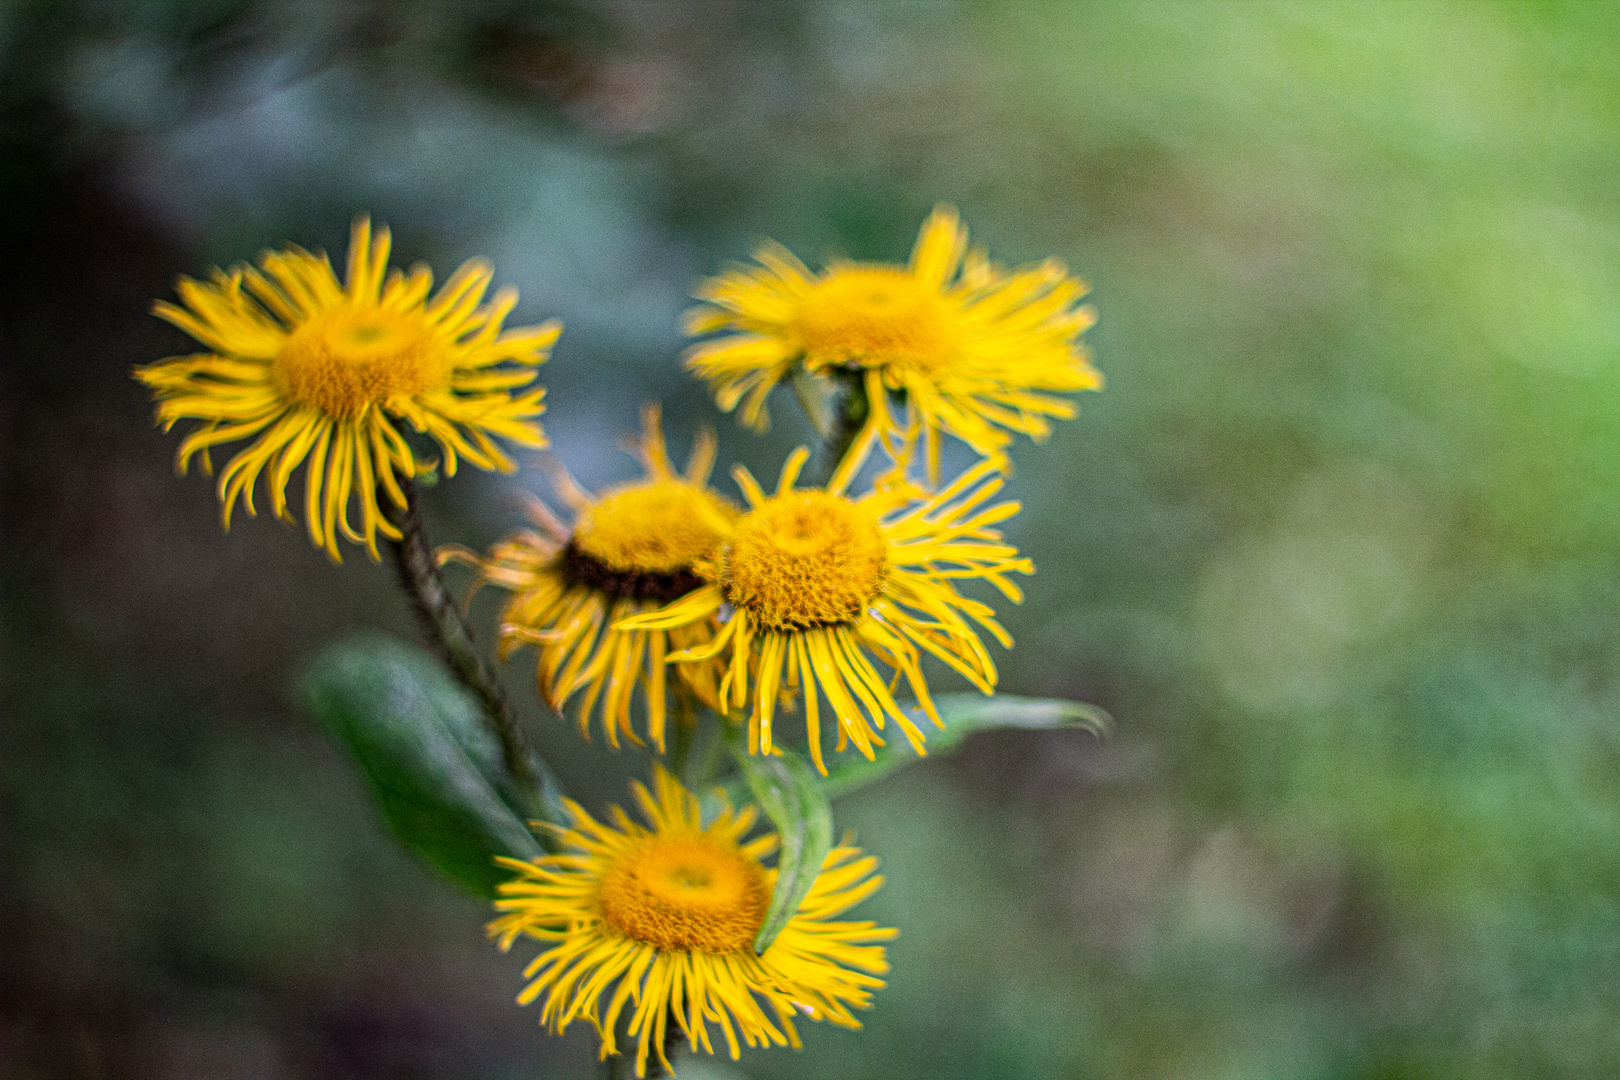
633	584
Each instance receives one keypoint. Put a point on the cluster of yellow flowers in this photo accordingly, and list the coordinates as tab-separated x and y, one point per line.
664	585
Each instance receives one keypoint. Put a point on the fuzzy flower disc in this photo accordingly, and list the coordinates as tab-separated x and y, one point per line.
351	358
872	316
806	558
686	892
652	528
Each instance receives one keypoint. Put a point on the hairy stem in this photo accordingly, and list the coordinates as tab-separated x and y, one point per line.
849	415
436	609
622	1066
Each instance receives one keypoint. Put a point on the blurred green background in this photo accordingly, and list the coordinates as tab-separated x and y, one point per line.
1338	547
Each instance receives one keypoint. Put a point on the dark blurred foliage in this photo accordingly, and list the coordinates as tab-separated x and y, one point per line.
1337	546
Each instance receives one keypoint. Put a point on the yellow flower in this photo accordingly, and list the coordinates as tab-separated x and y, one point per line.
669	914
817	580
318	370
632	549
975	348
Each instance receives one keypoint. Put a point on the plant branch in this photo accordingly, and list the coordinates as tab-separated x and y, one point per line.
621	1066
682	739
849	415
436	610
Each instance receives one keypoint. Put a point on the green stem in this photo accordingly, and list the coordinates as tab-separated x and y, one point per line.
622	1066
682	738
436	610
849	417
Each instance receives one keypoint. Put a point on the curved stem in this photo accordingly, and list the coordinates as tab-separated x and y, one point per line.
419	575
621	1066
850	413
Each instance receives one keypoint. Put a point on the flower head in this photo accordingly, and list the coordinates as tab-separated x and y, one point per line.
665	918
320	371
977	350
818	583
631	549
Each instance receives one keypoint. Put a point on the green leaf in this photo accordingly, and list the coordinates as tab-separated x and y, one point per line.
963	714
433	764
790	793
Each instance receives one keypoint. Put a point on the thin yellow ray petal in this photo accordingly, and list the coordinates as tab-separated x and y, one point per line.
791	469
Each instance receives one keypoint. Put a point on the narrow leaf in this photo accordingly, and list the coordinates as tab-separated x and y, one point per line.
433	766
790	793
963	714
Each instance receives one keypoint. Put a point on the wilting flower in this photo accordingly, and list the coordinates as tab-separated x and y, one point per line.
633	549
665	918
816	581
976	349
320	370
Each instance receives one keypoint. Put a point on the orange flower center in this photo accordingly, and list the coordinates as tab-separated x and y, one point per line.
686	892
874	316
653	528
351	357
804	559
